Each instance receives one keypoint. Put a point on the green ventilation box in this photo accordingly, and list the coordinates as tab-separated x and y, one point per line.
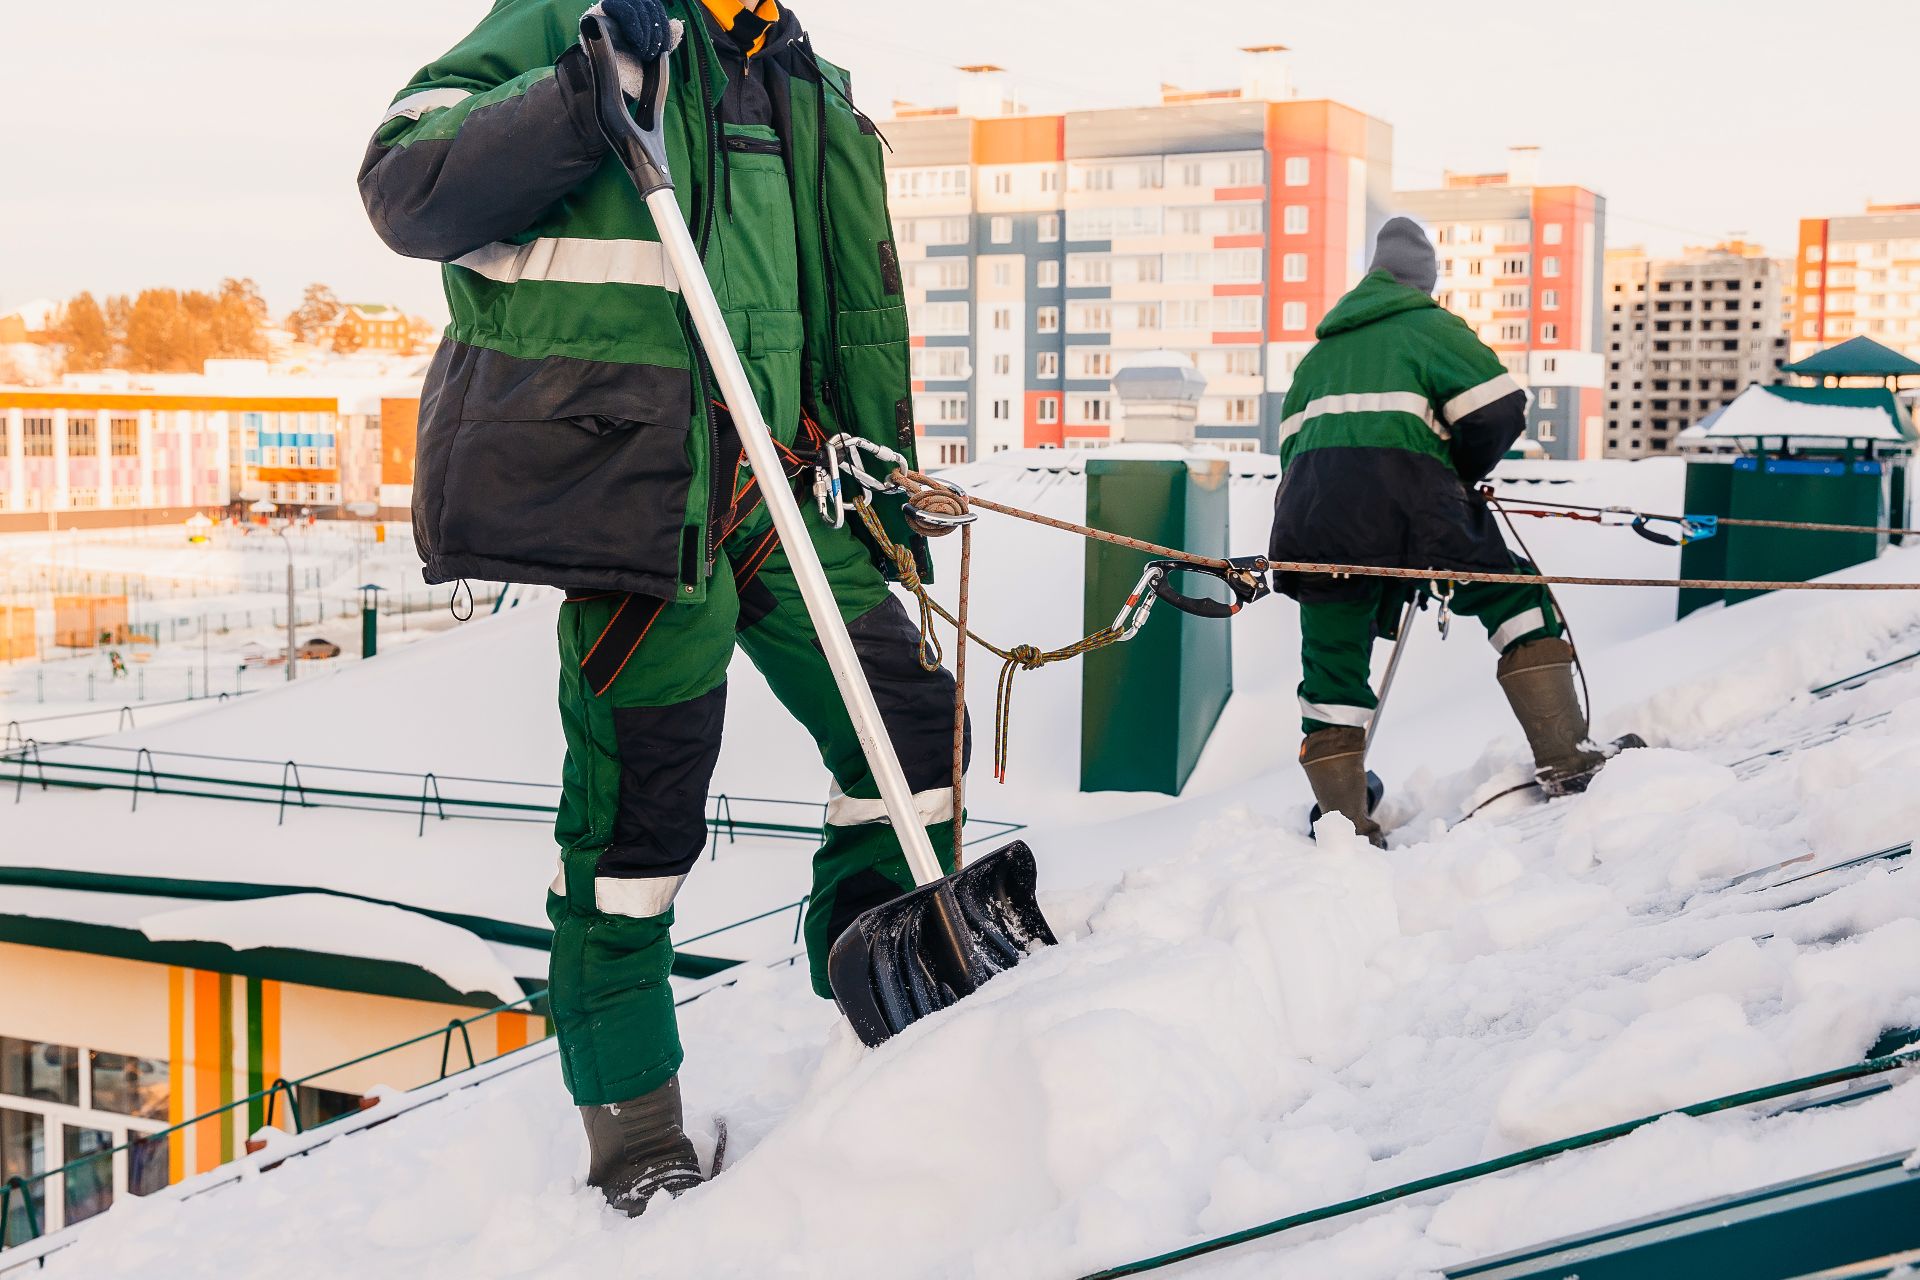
1148	706
1805	490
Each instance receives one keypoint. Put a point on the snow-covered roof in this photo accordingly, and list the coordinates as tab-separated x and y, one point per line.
1771	412
1240	1023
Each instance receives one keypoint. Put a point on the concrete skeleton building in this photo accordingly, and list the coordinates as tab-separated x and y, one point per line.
1040	253
1522	263
1858	277
1685	336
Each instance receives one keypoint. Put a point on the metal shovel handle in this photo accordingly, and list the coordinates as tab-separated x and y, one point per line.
642	153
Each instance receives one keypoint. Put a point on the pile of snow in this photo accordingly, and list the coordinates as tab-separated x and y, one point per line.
1242	1023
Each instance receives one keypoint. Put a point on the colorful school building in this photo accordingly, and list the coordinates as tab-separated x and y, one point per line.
115	450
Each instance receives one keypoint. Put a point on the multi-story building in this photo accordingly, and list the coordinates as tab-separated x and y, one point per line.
1040	252
374	326
117	449
1684	337
1859	277
1522	263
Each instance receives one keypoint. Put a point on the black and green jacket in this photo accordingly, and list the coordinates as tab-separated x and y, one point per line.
1393	417
568	428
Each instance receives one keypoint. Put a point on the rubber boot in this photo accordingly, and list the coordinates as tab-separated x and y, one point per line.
1538	680
1336	764
637	1150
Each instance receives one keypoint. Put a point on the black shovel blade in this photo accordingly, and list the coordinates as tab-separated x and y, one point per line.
1376	792
926	949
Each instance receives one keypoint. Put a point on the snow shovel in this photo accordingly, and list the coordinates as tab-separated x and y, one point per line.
926	949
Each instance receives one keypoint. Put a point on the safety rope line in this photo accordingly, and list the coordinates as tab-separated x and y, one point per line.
915	482
1810	526
1531	1155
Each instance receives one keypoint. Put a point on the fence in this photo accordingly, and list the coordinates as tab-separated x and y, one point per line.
65	641
291	785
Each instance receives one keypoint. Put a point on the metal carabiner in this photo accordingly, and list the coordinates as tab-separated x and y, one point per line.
1133	614
1445	597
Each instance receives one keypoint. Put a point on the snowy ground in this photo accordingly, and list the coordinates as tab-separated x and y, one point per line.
1239	1023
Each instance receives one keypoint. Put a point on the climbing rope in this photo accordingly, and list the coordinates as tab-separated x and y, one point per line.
937	507
1597	516
912	481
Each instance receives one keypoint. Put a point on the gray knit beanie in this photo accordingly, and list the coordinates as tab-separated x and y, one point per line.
1403	251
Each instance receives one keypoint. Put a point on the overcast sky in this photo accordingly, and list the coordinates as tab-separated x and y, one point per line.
173	142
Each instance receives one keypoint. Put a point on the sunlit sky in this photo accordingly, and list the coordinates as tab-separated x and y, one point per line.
173	142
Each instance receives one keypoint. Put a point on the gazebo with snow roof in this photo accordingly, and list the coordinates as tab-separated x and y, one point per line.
1819	454
1856	358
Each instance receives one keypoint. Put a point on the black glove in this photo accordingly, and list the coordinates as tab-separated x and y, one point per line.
640	27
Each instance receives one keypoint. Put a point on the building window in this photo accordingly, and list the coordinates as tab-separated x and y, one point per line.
36	437
1545	433
1047	409
1003	318
42	1072
1549	398
1049	181
1299	171
1243	409
1047	320
951	454
1047	275
1049	227
1000	230
1002	184
129	1086
123	436
1550	234
1294	221
1047	365
1549	332
1003	364
1550	267
1002	410
1095	409
83	440
1293	267
1293	316
83	499
1549	299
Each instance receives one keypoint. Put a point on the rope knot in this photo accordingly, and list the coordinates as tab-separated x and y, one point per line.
936	502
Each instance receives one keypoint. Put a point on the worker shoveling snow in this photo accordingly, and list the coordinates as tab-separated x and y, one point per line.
1256	1025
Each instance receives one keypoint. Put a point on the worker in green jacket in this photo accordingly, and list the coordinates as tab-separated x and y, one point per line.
571	434
1393	419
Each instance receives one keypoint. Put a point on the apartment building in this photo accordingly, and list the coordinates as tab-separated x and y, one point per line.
1858	277
1523	262
1039	253
105	449
1685	336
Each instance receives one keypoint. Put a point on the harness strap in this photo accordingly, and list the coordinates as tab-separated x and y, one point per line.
619	639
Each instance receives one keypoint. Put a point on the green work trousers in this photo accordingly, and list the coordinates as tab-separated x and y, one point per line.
1336	639
640	756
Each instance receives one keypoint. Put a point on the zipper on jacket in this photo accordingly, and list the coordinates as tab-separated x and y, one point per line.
829	388
702	366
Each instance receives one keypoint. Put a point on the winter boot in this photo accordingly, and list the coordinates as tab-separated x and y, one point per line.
1538	680
1335	761
637	1149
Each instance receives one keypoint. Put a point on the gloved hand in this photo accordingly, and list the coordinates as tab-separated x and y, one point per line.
640	27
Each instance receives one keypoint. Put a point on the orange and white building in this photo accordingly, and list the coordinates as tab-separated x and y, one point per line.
123	449
1858	277
1524	263
1039	253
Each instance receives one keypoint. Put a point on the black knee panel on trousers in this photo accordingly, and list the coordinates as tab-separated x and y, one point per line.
667	756
916	705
